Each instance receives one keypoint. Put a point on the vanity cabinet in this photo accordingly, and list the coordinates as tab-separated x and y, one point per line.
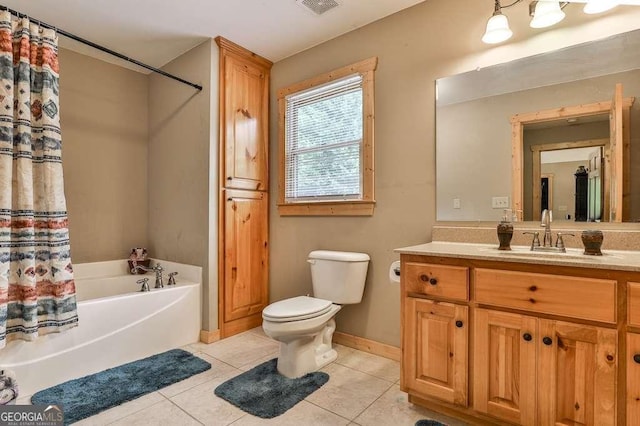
533	371
435	357
494	342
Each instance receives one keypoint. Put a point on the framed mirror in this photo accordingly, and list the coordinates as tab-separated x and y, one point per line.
562	97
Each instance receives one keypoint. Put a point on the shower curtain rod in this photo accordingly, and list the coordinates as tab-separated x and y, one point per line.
101	48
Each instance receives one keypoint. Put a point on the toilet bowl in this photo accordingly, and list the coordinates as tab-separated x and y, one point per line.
304	325
305	339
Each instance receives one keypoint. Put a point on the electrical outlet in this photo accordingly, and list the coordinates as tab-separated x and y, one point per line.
456	203
500	202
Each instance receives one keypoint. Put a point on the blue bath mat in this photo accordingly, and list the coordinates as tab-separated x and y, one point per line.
265	393
426	422
89	395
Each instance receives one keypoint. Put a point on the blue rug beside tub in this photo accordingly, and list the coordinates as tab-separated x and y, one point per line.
89	395
265	393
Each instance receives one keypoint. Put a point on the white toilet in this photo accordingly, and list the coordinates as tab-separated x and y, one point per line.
304	325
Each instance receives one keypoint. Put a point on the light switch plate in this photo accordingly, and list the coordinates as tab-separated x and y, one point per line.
500	202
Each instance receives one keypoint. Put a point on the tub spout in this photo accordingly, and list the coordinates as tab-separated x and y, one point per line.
157	269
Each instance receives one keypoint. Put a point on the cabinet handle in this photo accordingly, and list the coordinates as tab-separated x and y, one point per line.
433	281
547	341
636	358
459	324
229	178
424	278
527	337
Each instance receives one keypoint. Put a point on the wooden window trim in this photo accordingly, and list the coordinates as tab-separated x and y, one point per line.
362	207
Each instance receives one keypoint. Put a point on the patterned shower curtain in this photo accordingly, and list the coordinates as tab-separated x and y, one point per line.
37	291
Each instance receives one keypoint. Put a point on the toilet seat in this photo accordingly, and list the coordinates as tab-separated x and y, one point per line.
296	308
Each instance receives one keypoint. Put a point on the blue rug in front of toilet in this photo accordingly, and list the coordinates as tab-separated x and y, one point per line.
265	393
89	395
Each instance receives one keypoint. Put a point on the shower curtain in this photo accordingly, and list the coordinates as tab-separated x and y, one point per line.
37	291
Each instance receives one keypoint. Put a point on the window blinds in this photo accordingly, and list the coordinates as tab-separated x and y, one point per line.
323	142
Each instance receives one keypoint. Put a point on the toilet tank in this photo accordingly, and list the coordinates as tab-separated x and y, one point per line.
338	276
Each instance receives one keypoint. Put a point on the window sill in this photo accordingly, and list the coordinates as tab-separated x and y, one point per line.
330	208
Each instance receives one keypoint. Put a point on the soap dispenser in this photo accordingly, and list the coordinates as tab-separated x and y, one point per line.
505	231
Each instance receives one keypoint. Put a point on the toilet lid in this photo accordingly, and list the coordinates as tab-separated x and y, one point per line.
296	308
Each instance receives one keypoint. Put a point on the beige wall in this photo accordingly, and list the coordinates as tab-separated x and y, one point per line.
183	138
104	131
414	47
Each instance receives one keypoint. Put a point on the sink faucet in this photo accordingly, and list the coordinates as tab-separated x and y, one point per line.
547	218
157	269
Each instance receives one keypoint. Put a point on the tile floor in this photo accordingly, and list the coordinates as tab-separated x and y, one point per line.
363	389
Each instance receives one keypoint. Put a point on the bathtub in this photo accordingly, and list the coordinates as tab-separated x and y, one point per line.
117	324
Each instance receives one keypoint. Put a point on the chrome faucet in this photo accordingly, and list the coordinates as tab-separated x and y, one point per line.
547	218
157	269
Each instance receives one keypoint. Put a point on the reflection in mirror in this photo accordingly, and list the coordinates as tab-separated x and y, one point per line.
569	182
474	158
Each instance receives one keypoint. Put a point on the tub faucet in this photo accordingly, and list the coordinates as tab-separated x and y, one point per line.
157	269
547	217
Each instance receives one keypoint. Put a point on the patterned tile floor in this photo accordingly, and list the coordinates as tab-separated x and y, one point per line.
363	389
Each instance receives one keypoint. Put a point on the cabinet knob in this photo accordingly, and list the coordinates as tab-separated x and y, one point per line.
424	278
547	341
527	337
229	178
459	324
636	358
433	281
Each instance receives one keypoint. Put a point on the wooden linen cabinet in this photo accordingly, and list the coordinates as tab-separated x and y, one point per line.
243	253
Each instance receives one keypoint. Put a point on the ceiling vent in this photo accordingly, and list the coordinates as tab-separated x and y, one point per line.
318	7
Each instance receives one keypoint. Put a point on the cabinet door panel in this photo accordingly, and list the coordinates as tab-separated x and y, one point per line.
246	251
577	374
633	379
246	147
435	355
504	366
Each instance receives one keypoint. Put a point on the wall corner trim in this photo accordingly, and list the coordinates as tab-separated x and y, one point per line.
209	336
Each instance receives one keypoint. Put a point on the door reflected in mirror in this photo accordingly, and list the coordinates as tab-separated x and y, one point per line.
570	183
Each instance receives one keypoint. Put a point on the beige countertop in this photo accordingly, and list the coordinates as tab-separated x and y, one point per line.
621	260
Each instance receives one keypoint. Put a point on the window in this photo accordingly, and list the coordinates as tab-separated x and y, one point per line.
326	143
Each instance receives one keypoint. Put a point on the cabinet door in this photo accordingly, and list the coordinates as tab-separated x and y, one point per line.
504	377
633	379
576	374
246	251
245	133
435	355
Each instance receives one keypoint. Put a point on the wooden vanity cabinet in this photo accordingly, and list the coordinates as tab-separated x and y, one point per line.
533	371
542	348
435	357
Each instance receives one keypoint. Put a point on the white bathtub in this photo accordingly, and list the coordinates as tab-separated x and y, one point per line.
117	324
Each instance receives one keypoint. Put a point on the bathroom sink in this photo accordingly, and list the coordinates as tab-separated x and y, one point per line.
527	252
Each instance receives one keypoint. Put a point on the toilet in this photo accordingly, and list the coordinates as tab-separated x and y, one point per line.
304	325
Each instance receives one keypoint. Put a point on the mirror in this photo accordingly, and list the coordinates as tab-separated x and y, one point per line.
476	166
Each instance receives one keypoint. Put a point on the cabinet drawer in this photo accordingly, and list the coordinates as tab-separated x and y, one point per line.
633	297
451	282
577	297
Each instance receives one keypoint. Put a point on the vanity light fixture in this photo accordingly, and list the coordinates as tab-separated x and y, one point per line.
544	13
497	26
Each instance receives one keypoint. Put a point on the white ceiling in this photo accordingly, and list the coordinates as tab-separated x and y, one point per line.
157	31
